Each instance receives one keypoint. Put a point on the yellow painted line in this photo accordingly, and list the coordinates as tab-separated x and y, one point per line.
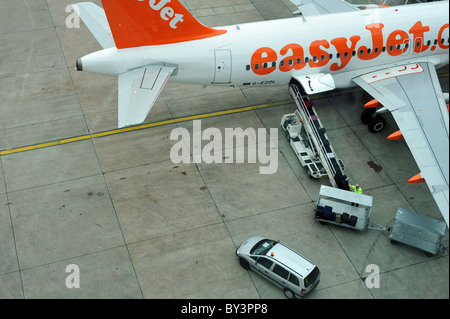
140	127
166	122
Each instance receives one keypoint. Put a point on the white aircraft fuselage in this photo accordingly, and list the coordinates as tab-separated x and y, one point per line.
271	53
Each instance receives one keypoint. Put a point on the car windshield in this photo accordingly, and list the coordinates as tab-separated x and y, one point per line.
311	278
263	247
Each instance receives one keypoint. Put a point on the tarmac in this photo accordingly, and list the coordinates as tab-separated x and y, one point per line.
74	190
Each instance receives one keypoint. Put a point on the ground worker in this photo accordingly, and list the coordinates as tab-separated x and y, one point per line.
357	189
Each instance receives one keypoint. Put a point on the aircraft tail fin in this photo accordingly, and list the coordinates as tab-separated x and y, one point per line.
151	22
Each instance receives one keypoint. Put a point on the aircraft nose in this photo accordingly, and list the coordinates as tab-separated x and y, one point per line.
79	65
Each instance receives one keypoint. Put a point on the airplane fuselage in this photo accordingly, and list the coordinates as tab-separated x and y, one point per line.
270	53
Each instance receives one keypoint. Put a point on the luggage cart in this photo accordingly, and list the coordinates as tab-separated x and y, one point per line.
418	231
345	208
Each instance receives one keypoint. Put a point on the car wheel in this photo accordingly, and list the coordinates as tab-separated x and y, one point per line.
289	294
377	124
244	263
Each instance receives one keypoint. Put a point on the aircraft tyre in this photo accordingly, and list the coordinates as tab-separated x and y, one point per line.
377	124
366	115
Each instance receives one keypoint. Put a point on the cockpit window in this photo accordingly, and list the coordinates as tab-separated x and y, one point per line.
263	247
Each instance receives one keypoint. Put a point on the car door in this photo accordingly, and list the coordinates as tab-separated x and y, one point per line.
280	275
263	266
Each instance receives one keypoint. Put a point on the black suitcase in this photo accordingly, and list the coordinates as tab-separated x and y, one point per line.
345	217
352	220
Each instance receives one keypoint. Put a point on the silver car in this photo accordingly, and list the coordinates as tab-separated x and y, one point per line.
281	265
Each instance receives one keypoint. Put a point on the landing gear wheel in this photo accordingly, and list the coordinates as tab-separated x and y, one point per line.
244	263
367	114
289	294
377	124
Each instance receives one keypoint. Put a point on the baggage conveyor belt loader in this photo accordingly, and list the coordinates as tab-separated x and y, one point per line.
308	139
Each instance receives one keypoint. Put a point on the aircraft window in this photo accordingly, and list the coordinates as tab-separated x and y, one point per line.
299	61
247	67
274	64
361	52
391	48
322	57
256	66
345	54
428	42
338	55
291	62
442	40
398	46
435	41
368	51
330	56
265	65
306	59
383	49
282	63
353	53
376	50
418	43
406	45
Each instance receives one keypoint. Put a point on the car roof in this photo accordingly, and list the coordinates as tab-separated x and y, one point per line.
291	259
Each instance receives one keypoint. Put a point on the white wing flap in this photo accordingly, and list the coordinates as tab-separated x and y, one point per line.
413	95
138	91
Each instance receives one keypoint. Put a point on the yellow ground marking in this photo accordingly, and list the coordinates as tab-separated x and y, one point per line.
165	122
140	127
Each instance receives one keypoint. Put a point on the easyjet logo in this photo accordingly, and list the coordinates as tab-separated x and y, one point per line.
166	13
264	59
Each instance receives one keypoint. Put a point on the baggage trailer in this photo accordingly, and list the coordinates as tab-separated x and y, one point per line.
345	208
418	231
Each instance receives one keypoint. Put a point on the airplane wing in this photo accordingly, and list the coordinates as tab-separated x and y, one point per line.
317	7
95	19
138	91
413	95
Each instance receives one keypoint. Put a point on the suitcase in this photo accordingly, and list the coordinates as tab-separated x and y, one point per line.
345	217
328	213
352	221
